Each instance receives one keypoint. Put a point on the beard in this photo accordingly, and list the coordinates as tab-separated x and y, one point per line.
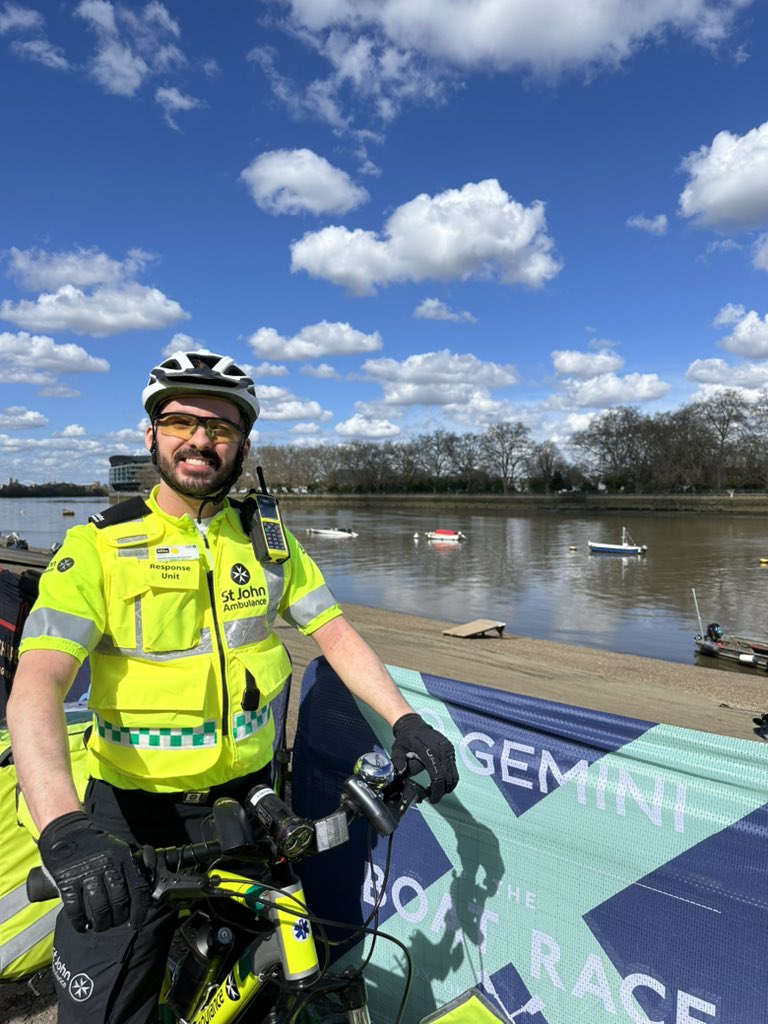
194	484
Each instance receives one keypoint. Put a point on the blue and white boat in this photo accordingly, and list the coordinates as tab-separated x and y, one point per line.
626	547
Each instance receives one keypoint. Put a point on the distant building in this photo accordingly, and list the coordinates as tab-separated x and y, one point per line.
129	472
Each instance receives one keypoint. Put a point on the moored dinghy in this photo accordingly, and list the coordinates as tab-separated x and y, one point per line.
444	536
626	547
332	531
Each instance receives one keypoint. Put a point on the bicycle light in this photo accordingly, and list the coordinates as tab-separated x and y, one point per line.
291	834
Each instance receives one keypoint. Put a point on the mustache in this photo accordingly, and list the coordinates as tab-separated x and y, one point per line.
194	453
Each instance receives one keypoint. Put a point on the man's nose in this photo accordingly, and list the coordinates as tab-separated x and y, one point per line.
200	437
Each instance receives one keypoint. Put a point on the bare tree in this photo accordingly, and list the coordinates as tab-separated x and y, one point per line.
435	456
506	446
725	413
466	454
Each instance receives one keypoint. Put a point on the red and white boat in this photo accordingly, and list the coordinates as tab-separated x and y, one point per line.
444	536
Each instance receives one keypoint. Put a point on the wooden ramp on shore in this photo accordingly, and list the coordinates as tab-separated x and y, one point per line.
477	627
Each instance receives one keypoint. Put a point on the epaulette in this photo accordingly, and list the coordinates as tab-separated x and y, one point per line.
122	512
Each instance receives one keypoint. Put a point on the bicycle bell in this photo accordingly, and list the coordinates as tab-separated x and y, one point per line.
375	768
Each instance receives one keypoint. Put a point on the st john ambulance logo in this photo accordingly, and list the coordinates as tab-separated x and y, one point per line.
239	574
81	988
64	564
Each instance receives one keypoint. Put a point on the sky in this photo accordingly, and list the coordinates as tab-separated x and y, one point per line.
399	216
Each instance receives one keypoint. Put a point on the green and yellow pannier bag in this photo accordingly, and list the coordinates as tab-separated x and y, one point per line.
26	929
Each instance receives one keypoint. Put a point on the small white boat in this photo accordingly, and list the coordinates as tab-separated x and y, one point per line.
444	536
332	531
626	547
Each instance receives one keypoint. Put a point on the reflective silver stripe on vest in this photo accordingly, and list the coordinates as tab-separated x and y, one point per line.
245	723
241	632
274	576
27	938
47	622
133	552
301	612
13	902
183	738
107	646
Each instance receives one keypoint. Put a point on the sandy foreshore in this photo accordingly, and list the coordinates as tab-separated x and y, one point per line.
694	697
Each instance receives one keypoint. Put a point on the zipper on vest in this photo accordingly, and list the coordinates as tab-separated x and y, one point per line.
219	644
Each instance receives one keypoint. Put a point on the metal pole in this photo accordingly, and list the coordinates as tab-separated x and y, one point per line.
698	613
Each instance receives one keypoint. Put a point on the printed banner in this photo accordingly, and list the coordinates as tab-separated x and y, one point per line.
589	868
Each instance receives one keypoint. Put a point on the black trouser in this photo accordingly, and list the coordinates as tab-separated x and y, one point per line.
115	977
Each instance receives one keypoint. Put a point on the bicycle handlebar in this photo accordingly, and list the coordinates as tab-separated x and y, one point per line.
373	791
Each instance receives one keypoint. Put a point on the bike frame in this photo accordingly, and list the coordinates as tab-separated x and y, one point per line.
290	945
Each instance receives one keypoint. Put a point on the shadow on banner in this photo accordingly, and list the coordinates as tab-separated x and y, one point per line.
588	869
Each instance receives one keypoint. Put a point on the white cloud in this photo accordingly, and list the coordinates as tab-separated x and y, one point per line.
131	46
105	311
607	389
477	231
323	371
760	253
172	101
73	430
181	342
729	314
313	342
292	409
38	361
718	373
585	364
41	52
16	417
749	336
653	225
437	378
35	268
267	370
298	181
547	36
363	426
13	17
728	181
277	403
434	309
305	429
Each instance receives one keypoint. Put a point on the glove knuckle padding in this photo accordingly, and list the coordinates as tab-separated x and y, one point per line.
414	736
99	883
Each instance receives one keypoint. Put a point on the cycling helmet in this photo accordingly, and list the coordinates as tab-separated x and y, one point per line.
201	373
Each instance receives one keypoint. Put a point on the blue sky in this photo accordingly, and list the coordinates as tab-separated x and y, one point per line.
401	216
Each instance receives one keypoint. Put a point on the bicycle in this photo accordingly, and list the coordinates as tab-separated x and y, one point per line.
259	958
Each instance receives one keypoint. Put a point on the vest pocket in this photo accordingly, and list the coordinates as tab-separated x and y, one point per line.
267	664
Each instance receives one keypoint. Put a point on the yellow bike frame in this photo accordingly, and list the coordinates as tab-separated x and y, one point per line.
290	945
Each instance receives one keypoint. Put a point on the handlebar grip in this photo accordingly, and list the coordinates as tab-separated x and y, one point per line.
40	887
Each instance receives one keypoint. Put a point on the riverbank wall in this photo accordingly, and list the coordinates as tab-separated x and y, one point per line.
514	504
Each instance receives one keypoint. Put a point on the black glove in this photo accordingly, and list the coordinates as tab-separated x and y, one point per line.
414	736
99	883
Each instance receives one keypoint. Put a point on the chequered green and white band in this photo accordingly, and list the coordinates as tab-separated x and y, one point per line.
244	723
159	739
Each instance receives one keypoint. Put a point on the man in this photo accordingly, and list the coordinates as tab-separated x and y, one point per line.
175	610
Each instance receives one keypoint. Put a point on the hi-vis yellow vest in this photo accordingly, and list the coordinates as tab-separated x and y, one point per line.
26	929
179	630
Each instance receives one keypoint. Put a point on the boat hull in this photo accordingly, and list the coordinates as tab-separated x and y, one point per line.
615	549
734	652
341	534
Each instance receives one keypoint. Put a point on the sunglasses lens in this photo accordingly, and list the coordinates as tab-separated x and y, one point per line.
222	430
181	425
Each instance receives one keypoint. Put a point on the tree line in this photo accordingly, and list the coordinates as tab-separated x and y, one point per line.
715	443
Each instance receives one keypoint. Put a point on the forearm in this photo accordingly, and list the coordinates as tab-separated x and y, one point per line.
39	738
360	669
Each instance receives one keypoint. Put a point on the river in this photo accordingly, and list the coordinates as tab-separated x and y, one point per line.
531	571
